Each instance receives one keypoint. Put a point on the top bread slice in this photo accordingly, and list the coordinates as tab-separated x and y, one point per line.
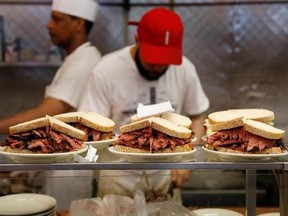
223	120
69	117
89	119
140	124
177	119
135	117
262	115
54	123
65	128
29	125
173	117
263	129
97	122
159	124
170	128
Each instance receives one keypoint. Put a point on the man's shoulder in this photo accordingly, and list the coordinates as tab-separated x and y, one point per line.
186	66
115	57
85	51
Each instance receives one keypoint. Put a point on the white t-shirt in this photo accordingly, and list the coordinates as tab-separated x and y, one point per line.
72	75
115	89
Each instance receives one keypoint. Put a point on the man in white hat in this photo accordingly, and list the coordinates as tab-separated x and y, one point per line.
69	26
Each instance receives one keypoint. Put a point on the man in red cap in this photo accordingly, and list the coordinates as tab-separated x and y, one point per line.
153	70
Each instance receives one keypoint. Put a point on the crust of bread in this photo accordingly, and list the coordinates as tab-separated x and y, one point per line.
136	125
97	122
184	148
263	130
273	150
70	117
25	151
65	128
170	128
262	115
127	149
223	149
177	119
29	125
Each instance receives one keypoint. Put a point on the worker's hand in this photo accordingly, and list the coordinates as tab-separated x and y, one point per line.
180	176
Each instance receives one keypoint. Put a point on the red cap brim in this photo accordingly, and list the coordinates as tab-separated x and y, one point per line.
161	55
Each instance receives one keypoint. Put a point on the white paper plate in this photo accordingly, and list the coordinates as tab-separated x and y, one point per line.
270	214
101	144
151	157
240	157
26	203
44	158
216	212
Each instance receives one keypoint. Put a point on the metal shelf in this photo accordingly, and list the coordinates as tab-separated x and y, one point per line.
151	166
194	163
199	160
30	64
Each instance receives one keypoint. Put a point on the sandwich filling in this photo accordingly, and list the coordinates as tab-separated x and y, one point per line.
42	140
93	134
151	140
242	141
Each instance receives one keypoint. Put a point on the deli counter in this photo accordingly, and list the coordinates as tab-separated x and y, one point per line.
198	160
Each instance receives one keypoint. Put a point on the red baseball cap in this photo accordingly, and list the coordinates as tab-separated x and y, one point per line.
160	33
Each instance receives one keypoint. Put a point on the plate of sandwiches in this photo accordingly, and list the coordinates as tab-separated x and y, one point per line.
99	129
43	140
153	139
246	134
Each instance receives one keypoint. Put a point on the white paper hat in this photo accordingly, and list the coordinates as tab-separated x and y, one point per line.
85	9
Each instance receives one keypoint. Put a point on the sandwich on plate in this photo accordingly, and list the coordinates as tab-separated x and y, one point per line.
154	135
95	126
230	132
43	135
215	119
170	116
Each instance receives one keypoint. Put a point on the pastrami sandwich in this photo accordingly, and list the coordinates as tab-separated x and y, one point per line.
154	135
95	126
221	119
43	135
231	134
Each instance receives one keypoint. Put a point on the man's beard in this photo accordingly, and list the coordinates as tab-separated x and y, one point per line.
144	73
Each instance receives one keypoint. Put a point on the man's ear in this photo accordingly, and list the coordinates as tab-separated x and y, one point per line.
136	38
80	24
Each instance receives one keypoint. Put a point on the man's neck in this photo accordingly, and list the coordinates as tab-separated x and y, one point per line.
72	47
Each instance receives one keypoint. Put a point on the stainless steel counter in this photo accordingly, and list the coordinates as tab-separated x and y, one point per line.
197	161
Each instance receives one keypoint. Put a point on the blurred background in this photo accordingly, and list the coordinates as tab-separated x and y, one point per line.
238	47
